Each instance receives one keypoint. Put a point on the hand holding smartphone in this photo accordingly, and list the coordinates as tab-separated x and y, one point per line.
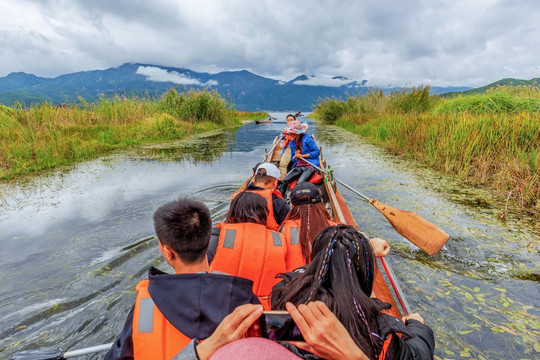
275	325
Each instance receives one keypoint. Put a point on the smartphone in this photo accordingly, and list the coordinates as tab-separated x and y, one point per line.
275	325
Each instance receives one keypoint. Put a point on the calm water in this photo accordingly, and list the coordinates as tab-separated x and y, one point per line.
75	243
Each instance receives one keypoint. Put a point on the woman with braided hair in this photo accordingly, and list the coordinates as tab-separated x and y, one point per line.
341	276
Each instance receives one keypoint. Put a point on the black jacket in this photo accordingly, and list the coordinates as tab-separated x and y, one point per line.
194	303
417	341
280	205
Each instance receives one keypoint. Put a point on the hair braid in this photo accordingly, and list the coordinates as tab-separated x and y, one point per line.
324	265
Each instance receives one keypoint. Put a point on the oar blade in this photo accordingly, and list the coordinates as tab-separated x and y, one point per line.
414	228
38	355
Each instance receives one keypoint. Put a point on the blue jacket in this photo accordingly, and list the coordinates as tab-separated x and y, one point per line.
308	147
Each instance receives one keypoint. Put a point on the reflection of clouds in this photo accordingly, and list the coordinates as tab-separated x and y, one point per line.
35	307
94	190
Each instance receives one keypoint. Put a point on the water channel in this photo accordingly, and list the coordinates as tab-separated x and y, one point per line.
75	243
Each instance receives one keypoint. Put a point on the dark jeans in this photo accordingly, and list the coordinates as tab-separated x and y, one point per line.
302	173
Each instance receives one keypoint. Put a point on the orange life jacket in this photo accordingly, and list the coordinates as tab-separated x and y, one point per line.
154	337
291	231
294	257
271	222
287	140
315	179
253	252
384	351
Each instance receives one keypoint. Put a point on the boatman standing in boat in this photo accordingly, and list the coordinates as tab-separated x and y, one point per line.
286	153
172	309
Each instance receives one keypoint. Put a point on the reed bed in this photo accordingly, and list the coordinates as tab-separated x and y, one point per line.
490	140
46	136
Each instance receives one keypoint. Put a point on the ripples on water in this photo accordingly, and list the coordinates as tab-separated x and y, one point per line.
76	242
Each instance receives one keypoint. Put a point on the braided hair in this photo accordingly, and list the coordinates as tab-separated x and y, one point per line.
341	275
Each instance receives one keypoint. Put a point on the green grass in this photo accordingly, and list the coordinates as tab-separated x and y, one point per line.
46	136
490	140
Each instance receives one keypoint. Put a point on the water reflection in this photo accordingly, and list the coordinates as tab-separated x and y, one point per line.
201	149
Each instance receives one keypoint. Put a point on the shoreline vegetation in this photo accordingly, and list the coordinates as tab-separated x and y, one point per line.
490	141
45	137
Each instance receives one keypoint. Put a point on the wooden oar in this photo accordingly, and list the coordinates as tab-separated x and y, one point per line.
57	355
272	149
411	226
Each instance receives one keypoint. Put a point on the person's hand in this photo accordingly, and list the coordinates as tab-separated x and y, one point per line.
380	247
297	154
232	327
324	334
415	316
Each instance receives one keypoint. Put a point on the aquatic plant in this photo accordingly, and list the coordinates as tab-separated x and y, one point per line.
46	136
490	140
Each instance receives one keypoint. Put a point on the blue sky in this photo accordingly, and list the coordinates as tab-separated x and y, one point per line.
388	43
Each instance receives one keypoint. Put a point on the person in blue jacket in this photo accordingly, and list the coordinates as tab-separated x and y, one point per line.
303	146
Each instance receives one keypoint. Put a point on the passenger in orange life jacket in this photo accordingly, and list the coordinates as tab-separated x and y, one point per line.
172	311
306	219
244	247
341	276
265	181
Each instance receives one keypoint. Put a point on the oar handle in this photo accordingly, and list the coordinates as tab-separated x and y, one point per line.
58	354
272	149
339	181
88	350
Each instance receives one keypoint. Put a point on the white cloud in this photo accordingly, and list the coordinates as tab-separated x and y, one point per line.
447	42
323	81
154	73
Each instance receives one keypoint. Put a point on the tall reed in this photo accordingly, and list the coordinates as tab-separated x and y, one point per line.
491	140
47	136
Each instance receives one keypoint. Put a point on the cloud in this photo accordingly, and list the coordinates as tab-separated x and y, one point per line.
448	42
153	73
312	80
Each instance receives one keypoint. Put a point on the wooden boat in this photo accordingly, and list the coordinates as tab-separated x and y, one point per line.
382	287
264	121
385	285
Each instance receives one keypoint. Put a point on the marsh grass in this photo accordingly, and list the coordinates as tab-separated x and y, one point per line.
46	136
490	140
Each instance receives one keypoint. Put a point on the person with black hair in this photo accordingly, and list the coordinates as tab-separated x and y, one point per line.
341	276
246	247
305	221
172	311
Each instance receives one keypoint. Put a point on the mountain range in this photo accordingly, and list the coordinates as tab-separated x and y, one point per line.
246	90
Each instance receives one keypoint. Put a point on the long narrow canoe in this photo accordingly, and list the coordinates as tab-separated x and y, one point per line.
382	287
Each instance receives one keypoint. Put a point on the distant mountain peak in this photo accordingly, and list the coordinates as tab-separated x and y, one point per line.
21	75
300	78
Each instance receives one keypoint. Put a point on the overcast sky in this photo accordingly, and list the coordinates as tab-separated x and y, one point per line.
397	43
